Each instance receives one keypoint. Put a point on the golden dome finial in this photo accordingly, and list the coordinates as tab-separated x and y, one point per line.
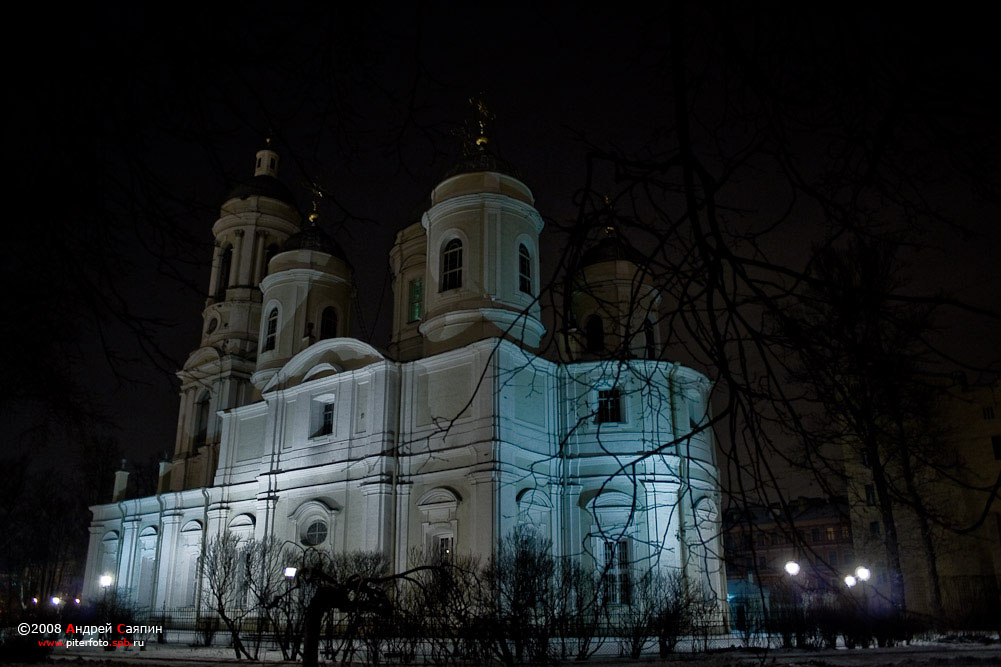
314	215
484	114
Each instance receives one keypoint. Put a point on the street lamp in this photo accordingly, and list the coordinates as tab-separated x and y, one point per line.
290	572
56	600
862	573
792	568
104	580
850	581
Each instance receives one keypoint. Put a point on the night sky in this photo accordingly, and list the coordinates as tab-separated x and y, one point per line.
127	129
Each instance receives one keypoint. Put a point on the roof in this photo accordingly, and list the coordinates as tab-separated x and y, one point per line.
263	186
613	247
314	238
481	159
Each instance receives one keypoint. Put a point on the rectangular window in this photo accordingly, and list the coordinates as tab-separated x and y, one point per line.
845	532
832	558
761	539
996	443
609	407
870	495
323	418
415	300
874	529
762	562
443	547
988	412
617	581
815	534
830	533
865	458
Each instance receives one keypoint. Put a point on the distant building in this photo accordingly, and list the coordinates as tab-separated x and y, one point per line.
759	541
448	440
964	520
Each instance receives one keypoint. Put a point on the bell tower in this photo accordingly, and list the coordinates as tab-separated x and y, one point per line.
482	253
254	222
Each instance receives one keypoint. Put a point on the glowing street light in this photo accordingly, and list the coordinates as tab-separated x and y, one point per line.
56	600
77	600
850	581
104	580
862	573
34	600
290	572
792	568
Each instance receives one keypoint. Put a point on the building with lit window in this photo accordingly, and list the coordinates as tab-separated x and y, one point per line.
457	433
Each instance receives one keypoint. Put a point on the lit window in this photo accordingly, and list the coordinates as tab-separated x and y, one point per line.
616	577
609	406
830	533
594	330
271	333
415	300
328	323
315	534
524	270
451	265
444	545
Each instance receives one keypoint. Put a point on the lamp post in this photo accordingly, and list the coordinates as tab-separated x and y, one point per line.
791	622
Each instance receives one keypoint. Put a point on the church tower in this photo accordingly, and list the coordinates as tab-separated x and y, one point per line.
307	297
254	221
614	303
482	255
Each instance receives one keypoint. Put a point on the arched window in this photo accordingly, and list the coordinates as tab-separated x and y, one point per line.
222	278
271	333
594	330
451	265
328	323
524	270
651	352
202	418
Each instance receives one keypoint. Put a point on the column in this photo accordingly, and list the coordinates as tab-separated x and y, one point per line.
663	521
166	557
378	503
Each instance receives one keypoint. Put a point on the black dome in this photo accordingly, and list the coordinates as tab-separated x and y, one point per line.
610	249
481	159
314	238
263	186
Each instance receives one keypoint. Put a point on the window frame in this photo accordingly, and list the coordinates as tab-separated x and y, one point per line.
450	269
270	331
415	299
609	406
525	284
617	571
326	315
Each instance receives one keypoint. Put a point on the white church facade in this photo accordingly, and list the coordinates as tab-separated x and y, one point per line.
448	440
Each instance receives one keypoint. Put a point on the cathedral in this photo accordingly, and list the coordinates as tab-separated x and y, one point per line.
462	430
